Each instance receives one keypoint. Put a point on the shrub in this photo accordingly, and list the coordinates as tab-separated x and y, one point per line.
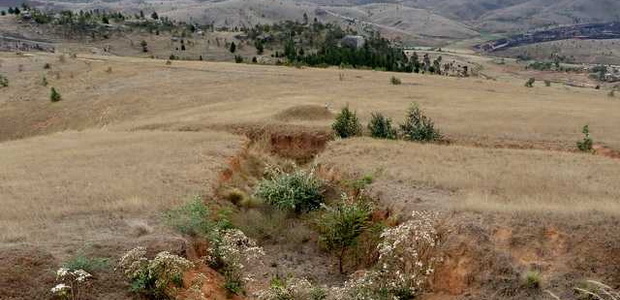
418	127
299	191
532	280
153	278
395	81
85	263
341	227
70	283
346	124
55	96
47	66
530	82
547	83
585	145
44	81
381	127
238	59
4	81
236	196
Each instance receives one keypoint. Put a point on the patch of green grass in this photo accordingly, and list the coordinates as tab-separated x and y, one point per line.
88	264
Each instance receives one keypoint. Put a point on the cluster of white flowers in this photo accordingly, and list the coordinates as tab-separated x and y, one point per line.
162	270
70	281
292	289
166	266
407	258
235	251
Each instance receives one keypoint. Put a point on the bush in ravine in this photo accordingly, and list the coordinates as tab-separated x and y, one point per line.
154	278
347	124
418	127
299	191
381	127
342	226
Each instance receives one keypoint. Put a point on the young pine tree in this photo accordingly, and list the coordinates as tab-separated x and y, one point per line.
418	127
381	127
347	124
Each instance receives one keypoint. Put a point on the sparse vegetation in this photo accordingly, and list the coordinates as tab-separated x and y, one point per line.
70	283
419	127
47	66
347	125
88	264
299	191
585	145
381	127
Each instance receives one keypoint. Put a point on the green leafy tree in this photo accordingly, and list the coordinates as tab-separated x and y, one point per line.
418	127
233	47
342	226
347	124
55	96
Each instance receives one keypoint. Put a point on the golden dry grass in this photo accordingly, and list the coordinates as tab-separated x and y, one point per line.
485	179
147	93
75	183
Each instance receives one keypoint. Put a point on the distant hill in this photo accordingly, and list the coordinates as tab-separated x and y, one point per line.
424	21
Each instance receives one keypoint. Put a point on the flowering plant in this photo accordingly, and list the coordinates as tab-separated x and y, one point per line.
70	283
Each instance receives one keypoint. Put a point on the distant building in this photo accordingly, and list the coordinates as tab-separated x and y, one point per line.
353	41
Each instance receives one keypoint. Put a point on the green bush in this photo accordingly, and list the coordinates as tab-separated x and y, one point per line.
381	127
194	219
395	81
4	82
585	145
55	96
342	226
299	191
238	59
346	124
418	127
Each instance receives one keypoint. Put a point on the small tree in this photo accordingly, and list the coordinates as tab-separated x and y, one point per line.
4	82
342	226
418	127
144	46
530	82
233	47
154	16
585	145
55	96
381	127
346	124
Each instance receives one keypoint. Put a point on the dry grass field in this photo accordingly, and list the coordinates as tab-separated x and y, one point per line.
148	93
482	179
72	188
134	136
